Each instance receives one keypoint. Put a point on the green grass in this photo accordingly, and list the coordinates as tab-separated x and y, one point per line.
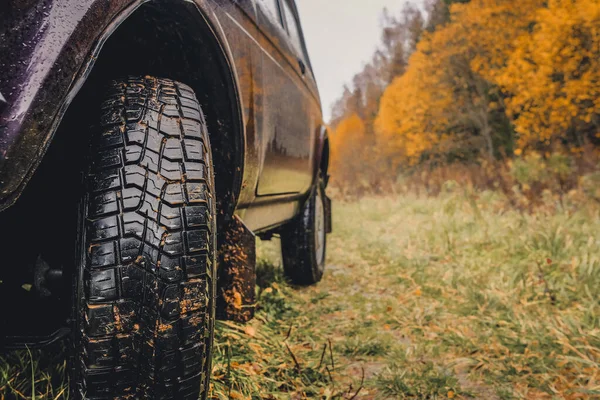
424	298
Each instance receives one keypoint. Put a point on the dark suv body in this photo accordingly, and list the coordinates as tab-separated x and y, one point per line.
78	80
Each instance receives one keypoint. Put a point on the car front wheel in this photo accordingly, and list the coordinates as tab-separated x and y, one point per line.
143	313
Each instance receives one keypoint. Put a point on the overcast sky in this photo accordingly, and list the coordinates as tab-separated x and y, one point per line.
341	36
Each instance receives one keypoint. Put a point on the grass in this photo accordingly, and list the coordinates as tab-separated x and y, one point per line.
455	296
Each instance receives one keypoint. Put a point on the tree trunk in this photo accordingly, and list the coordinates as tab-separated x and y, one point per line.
487	135
486	132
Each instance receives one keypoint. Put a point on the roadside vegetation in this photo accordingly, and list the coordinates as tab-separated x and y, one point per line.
454	296
474	86
459	295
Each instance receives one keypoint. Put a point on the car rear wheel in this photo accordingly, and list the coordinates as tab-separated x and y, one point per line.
304	240
145	288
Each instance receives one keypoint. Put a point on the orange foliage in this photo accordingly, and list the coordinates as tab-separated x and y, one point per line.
486	30
348	146
495	78
447	85
553	76
414	108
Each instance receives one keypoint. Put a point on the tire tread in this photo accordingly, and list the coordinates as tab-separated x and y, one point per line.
146	316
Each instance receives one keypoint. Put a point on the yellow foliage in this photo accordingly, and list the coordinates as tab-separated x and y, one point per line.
355	158
346	141
447	85
486	31
413	108
348	148
500	78
553	76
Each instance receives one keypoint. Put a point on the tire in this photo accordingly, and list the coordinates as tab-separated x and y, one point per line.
304	240
145	288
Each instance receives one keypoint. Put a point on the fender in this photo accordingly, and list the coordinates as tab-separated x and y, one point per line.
47	55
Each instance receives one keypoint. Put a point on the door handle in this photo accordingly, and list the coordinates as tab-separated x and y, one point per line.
302	66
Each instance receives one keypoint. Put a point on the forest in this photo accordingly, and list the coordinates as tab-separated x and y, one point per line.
492	93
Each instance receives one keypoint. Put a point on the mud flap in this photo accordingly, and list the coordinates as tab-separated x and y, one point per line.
236	273
328	222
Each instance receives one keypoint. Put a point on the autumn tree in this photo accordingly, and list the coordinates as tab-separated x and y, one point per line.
439	12
552	79
447	100
412	116
349	144
357	157
477	79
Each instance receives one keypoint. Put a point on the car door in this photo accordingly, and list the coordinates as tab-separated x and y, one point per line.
286	123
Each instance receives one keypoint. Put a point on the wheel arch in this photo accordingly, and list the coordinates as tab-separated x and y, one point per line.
175	40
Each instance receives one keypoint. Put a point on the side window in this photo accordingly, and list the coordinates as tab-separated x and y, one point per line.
292	26
273	11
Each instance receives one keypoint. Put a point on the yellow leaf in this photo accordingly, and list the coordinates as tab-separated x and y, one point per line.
250	331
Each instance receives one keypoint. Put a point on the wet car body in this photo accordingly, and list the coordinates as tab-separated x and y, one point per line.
49	48
245	59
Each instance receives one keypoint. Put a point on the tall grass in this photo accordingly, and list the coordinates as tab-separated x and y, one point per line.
459	295
525	179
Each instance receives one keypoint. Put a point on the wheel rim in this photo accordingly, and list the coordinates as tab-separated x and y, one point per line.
320	228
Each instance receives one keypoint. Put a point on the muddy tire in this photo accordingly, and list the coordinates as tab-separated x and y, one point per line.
304	240
144	291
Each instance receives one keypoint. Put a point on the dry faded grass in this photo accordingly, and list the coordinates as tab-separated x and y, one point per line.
524	180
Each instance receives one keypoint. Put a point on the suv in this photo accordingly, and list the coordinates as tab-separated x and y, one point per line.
143	145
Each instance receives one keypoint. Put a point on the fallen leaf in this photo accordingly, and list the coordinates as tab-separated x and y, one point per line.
250	331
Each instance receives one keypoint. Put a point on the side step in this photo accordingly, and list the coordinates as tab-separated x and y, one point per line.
33	342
